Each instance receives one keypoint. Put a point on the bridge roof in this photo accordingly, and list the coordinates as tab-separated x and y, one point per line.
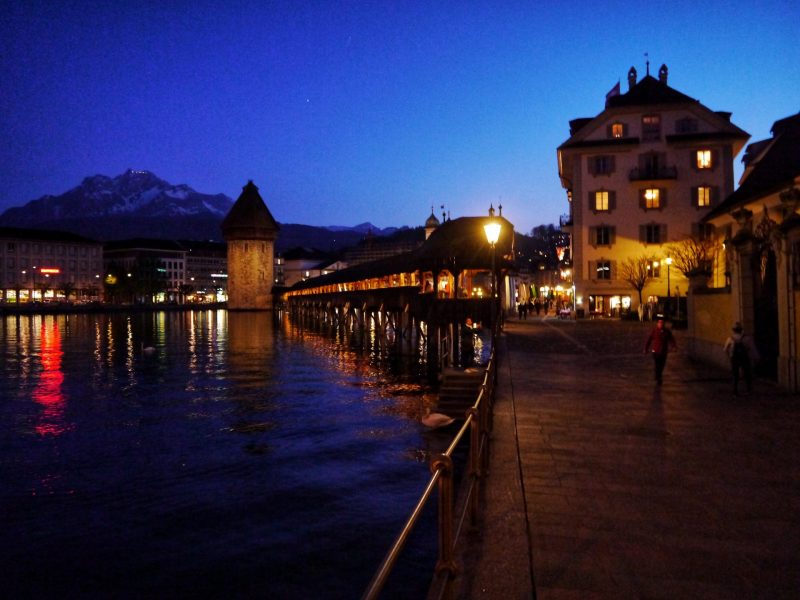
457	245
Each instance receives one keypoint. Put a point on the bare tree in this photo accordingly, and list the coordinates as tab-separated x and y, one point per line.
637	271
693	255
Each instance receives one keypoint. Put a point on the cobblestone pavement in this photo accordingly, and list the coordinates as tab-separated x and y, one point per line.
604	485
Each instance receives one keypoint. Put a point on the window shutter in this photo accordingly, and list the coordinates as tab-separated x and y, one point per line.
612	235
592	269
714	159
593	236
612	200
613	265
693	197
642	201
714	195
662	193
609	132
592	205
591	165
643	233
612	163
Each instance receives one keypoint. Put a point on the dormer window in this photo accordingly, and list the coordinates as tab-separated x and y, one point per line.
617	130
686	125
651	127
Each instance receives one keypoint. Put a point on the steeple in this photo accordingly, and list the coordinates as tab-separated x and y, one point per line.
631	78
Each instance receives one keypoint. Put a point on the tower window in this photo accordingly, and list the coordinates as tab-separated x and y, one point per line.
617	130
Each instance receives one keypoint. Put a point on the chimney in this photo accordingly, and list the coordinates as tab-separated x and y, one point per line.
631	78
662	74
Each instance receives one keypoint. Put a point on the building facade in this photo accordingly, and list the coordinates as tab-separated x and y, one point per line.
641	175
757	277
40	265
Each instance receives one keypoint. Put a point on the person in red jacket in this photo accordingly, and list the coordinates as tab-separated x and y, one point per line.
659	343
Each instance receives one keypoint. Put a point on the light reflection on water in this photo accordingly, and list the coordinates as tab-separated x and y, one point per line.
236	458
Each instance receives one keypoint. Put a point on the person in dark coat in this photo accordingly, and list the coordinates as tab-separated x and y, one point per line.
659	343
742	352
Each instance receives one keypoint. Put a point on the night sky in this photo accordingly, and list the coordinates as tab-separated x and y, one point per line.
345	112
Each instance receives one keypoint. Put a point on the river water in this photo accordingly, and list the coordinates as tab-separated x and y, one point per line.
205	455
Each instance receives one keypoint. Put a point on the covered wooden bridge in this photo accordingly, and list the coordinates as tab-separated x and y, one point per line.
421	298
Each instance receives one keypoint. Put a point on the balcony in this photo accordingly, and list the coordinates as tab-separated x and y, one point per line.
653	173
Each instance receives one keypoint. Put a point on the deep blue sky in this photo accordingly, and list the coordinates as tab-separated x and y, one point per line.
345	112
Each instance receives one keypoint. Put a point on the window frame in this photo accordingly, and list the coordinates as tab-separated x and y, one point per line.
651	127
704	159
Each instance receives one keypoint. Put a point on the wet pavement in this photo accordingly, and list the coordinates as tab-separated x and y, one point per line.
604	485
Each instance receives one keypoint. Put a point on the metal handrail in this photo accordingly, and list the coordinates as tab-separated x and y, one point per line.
478	423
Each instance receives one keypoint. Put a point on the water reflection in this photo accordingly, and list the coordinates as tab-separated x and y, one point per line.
48	391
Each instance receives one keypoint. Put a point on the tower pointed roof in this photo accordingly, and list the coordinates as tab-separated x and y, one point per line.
249	217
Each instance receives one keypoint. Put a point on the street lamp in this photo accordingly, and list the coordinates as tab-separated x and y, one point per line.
492	230
668	260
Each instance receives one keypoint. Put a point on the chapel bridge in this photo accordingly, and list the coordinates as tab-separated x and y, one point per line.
416	299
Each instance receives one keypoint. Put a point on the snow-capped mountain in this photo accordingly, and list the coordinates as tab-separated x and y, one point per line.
140	204
134	192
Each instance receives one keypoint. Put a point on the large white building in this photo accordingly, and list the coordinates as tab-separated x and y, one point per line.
641	175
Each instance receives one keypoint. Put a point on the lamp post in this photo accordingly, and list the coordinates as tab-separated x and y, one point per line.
668	260
492	230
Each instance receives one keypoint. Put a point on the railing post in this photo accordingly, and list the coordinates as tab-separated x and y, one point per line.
446	560
475	462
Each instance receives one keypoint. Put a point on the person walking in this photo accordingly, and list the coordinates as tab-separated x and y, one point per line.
742	352
659	343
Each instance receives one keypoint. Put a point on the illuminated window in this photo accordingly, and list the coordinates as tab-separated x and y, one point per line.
617	130
603	269
651	127
601	200
704	196
654	269
652	198
703	158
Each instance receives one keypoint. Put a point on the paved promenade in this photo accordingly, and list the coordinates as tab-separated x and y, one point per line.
603	485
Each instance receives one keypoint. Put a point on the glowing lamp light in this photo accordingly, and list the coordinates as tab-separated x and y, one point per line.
492	229
50	270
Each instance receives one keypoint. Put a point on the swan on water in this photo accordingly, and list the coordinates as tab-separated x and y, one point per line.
435	420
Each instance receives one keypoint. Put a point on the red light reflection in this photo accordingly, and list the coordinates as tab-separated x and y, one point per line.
48	391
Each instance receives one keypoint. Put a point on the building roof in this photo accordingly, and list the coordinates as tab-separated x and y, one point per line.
45	235
457	244
249	218
649	91
772	165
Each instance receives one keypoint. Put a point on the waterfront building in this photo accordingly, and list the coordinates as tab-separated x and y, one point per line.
756	278
250	231
639	176
44	265
301	263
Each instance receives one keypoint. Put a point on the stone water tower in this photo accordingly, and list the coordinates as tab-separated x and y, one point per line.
250	233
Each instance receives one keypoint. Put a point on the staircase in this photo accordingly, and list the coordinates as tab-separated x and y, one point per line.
459	391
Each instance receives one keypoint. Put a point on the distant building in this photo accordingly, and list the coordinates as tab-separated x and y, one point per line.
49	265
640	175
250	231
299	264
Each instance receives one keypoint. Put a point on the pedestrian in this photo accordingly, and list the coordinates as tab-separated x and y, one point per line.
467	344
659	343
742	352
